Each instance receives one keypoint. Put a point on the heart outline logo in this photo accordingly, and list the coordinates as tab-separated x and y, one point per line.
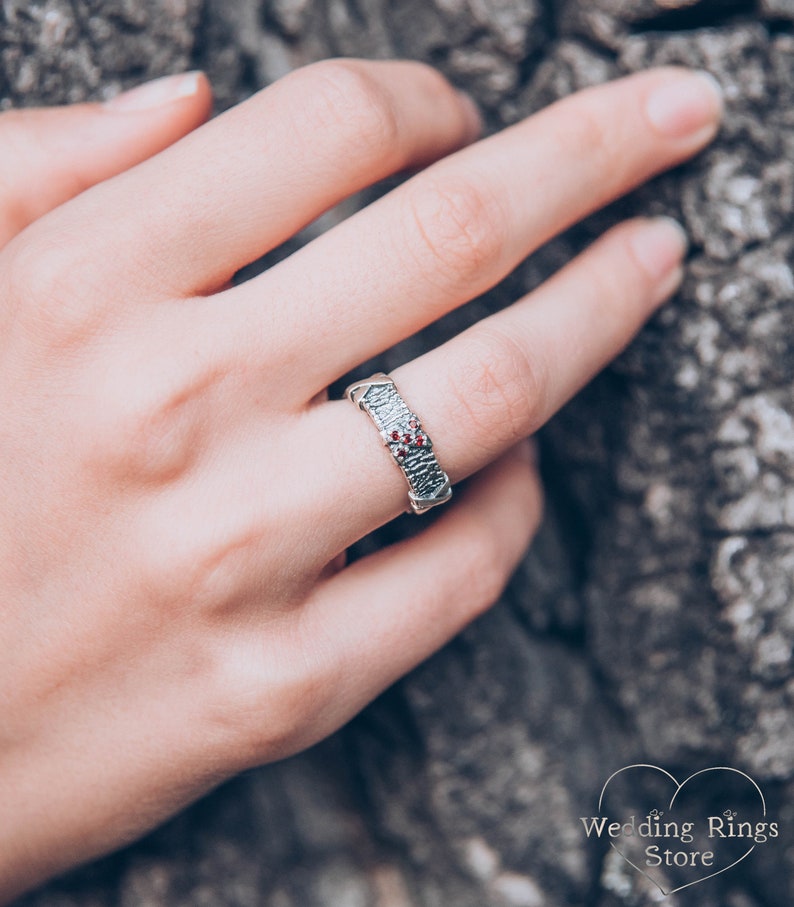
678	788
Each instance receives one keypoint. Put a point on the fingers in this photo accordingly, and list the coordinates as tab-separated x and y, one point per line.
381	616
254	176
47	156
505	376
454	230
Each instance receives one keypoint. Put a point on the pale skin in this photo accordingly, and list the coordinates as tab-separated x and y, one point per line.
177	490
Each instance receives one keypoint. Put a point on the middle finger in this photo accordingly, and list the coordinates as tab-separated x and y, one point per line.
453	231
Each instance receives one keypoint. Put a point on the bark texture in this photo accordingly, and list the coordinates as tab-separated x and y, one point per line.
654	619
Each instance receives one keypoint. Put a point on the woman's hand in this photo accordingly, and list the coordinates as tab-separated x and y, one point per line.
177	493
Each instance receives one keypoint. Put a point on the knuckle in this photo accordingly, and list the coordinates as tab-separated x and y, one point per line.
34	271
269	702
208	554
47	281
187	561
348	99
499	390
457	226
144	433
585	131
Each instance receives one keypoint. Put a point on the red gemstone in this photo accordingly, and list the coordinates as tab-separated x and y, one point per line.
407	439
402	452
395	436
419	440
413	423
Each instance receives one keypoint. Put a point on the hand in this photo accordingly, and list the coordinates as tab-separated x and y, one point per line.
177	492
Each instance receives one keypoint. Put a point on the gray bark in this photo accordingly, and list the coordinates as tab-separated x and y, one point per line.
653	620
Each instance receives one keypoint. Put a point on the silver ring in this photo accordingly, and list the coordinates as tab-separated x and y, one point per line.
409	444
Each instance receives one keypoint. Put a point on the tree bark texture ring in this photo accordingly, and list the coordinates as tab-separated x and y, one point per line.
402	432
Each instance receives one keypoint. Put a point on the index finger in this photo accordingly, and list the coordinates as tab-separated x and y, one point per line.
184	222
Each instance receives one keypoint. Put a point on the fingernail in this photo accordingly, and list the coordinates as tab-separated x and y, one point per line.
156	93
659	245
690	103
473	117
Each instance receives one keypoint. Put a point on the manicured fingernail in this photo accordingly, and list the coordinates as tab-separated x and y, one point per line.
659	245
689	103
471	112
156	93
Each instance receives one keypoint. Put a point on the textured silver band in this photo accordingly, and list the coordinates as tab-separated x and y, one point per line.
402	433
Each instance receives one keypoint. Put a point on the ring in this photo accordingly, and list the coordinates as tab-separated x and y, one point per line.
402	433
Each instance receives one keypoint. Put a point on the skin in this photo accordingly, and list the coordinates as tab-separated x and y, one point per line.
177	491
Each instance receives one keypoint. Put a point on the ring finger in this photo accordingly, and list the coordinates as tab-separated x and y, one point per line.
504	377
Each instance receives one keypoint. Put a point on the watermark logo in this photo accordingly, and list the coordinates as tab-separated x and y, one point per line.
678	834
